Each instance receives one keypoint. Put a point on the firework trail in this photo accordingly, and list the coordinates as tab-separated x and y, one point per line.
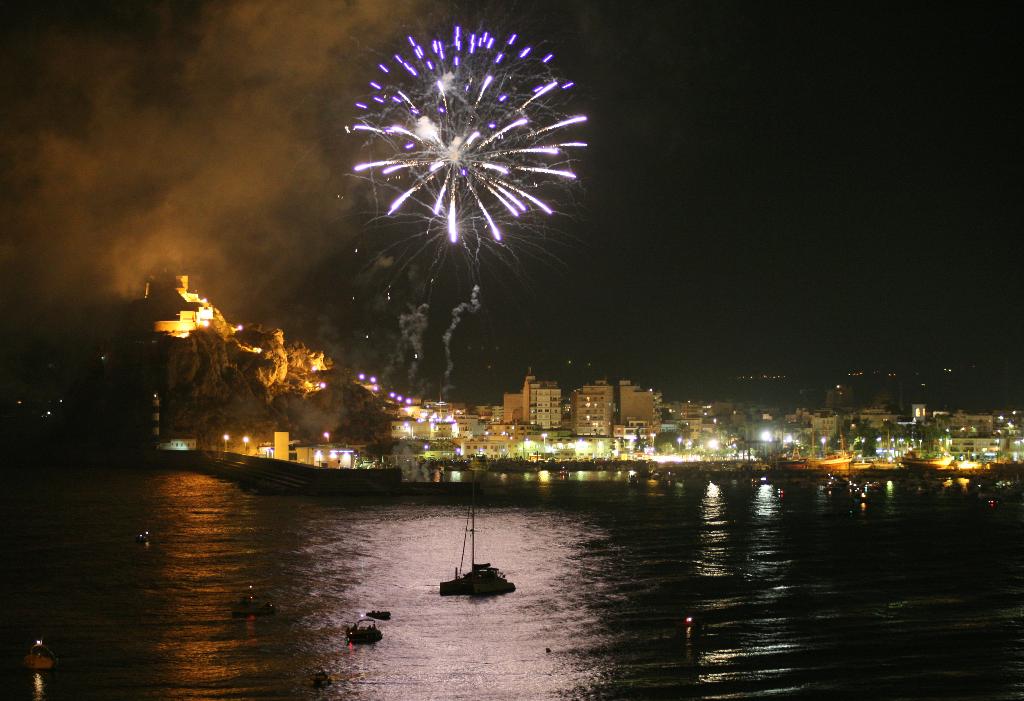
471	130
412	327
472	306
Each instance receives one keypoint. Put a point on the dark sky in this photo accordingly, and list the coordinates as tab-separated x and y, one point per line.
803	189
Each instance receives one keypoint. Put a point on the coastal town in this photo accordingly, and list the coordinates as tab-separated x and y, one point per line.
604	420
621	420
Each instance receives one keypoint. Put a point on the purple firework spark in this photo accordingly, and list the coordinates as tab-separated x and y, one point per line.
469	129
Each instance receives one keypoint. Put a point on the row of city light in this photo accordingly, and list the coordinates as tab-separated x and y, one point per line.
372	381
245	439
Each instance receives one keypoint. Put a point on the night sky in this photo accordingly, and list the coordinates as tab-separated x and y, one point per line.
802	189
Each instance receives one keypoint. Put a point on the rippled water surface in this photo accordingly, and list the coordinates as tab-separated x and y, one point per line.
916	596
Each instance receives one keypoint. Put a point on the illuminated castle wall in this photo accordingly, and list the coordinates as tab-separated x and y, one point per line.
188	319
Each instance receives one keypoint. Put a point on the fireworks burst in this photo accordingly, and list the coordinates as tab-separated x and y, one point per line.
470	132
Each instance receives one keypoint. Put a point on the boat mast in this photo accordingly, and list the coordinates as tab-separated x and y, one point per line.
472	527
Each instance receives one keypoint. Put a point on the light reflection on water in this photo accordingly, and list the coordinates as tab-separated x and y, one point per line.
798	590
712	558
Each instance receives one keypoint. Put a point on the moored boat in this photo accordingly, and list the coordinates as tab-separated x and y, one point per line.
40	657
834	461
250	607
913	459
482	579
363	631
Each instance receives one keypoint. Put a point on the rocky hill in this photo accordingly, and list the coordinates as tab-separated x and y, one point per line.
212	377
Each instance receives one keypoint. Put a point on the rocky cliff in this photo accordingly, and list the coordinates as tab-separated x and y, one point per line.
226	379
213	378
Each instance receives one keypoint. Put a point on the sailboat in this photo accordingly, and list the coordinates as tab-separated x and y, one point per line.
482	579
832	461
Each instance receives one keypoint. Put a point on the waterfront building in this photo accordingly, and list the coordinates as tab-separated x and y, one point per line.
327	455
634	403
424	429
824	423
965	422
877	417
593	408
512	408
977	447
470	425
637	411
487	446
542	403
177	444
587	448
517	431
489	413
690	417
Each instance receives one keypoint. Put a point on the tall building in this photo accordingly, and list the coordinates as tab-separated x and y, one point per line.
512	408
593	409
542	402
636	406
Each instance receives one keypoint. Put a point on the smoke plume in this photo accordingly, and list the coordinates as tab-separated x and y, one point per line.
412	326
206	138
472	306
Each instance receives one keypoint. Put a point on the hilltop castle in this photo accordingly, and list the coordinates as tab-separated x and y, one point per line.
198	312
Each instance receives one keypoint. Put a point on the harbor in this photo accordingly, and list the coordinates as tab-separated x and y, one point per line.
786	585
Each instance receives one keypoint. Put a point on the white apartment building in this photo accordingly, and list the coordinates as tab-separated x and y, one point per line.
593	409
542	403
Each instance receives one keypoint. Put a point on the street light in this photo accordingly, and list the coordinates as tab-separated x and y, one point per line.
679	445
824	440
245	440
226	436
545	437
327	436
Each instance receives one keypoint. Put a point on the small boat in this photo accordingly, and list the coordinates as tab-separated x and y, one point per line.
967	464
380	615
691	627
250	607
913	459
834	461
363	631
322	679
40	657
